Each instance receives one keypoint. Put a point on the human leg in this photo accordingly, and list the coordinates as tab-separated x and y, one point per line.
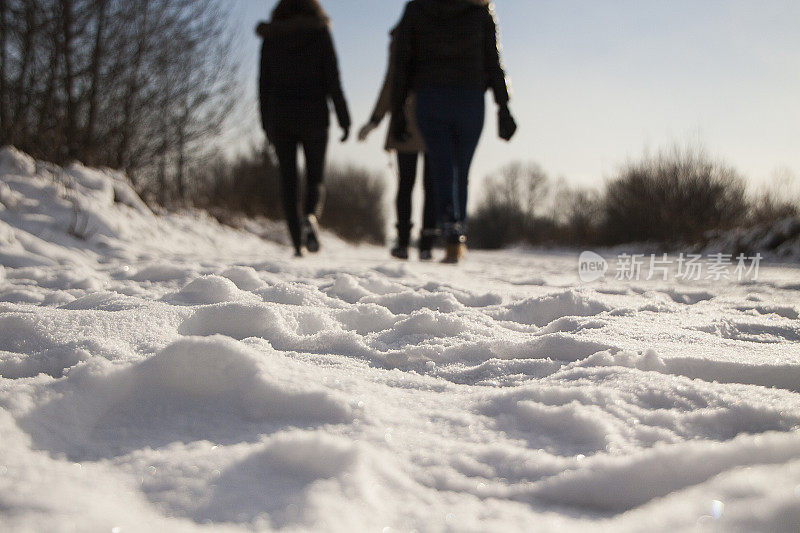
429	232
315	149
468	133
407	174
437	131
286	151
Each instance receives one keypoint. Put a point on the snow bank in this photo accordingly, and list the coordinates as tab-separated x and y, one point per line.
166	373
780	240
14	162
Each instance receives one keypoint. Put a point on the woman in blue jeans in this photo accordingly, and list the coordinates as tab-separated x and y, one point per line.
447	54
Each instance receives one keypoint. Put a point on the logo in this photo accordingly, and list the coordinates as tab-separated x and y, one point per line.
591	267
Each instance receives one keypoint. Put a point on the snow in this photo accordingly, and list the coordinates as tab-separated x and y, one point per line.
167	373
779	240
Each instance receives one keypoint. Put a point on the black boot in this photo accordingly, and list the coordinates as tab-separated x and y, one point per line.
311	233
426	241
403	239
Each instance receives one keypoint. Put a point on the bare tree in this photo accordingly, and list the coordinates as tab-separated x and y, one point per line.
143	86
3	64
98	56
519	186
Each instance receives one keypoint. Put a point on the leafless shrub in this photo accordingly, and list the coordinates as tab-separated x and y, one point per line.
354	205
508	213
676	197
672	198
777	200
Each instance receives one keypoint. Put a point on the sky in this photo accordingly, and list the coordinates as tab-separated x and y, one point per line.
596	84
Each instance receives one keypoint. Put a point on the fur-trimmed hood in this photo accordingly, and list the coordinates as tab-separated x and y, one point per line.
281	28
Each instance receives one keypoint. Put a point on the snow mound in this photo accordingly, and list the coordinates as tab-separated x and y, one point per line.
290	470
236	320
245	278
52	362
222	370
409	301
544	310
209	290
661	471
194	389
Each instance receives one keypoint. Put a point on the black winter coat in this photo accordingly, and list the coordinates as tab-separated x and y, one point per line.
299	72
448	43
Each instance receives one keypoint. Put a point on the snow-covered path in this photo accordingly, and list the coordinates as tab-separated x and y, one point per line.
169	374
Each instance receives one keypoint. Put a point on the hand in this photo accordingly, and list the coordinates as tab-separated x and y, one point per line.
345	134
506	126
364	132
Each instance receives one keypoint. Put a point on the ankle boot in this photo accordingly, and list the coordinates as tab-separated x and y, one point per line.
455	249
454	253
426	241
400	251
311	233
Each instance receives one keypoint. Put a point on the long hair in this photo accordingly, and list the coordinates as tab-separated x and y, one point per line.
289	9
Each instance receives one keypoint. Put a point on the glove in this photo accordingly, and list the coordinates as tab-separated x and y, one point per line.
345	133
400	128
506	125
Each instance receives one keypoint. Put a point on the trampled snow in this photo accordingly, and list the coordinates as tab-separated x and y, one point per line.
166	373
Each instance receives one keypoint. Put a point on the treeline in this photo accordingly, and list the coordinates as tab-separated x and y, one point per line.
677	197
139	85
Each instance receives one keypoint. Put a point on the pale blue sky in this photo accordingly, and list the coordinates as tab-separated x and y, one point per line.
598	82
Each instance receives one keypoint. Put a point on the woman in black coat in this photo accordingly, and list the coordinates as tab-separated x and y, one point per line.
299	73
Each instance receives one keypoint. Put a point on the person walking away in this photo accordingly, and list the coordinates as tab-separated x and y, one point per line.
299	73
407	153
447	53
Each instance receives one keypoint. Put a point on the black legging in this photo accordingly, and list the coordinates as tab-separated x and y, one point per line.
314	150
407	169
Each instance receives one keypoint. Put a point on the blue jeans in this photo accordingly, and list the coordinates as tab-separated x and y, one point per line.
451	122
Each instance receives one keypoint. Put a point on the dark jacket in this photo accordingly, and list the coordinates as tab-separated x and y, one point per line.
299	72
448	43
